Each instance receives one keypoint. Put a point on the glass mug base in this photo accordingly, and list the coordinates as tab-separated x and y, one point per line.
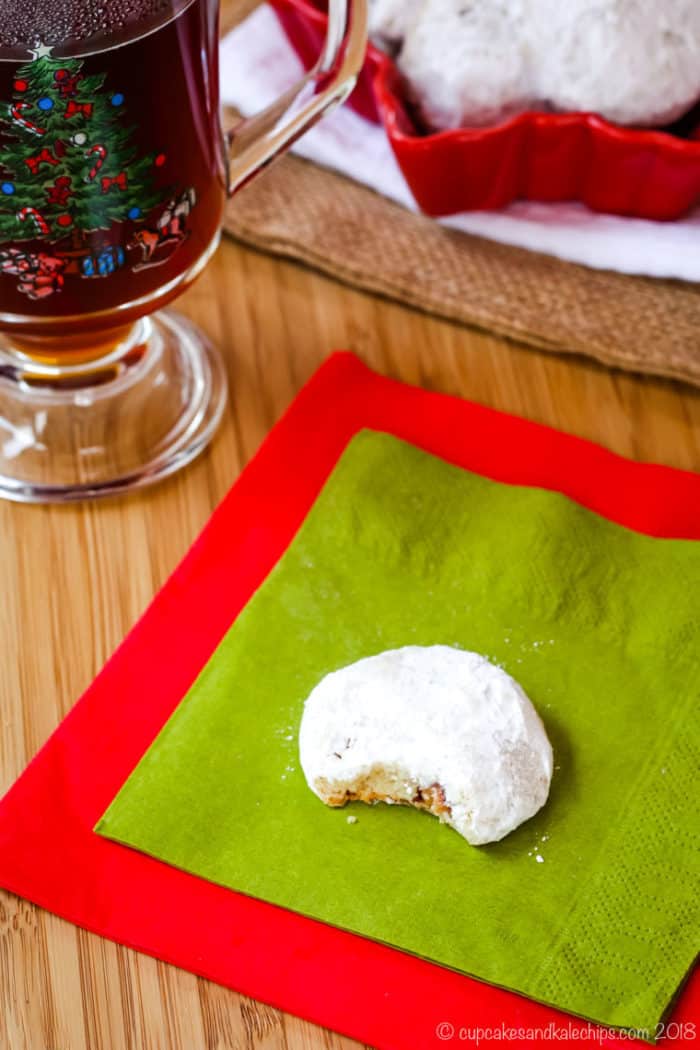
111	425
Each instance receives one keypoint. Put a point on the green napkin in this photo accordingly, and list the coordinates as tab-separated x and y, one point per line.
599	624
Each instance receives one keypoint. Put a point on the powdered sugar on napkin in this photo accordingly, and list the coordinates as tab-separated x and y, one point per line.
258	63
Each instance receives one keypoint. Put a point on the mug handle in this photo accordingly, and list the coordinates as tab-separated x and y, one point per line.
255	141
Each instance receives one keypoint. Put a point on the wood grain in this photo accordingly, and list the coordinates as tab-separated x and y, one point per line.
76	578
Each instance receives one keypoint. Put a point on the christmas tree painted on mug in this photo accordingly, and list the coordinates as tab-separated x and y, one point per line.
69	169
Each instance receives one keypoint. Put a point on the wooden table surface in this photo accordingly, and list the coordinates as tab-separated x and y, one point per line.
74	579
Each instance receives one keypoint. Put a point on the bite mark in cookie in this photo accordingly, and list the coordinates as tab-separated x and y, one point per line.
436	728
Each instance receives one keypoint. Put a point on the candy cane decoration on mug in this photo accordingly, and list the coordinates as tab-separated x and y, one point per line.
37	218
100	152
16	113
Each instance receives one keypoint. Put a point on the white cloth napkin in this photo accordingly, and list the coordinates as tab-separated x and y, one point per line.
258	63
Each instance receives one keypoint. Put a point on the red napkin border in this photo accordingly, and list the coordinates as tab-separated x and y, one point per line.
48	851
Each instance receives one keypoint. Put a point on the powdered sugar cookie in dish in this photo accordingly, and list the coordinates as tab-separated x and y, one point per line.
476	62
389	19
433	727
635	62
469	63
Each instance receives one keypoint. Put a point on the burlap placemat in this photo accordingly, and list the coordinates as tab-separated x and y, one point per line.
329	222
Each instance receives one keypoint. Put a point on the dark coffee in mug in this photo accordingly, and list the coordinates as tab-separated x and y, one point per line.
111	174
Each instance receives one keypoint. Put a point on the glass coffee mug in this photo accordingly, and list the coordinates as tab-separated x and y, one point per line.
113	178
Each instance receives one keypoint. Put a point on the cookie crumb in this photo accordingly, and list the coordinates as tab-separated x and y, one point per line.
352	820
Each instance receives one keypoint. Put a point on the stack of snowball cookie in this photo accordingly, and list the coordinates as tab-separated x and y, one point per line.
471	63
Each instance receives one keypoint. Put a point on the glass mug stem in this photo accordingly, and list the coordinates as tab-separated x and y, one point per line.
98	395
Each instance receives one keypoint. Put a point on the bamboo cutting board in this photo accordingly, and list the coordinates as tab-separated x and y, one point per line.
74	579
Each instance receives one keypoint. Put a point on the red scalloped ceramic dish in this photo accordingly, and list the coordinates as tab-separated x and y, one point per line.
534	156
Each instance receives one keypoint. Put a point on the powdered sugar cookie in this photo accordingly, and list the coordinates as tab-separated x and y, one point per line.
389	19
469	63
433	727
633	61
